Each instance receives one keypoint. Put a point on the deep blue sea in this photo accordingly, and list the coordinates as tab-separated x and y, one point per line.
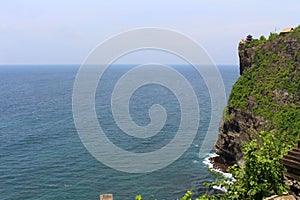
42	156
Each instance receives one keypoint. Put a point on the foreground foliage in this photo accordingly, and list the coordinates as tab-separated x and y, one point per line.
262	175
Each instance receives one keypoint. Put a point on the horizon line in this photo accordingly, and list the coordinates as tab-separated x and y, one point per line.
53	64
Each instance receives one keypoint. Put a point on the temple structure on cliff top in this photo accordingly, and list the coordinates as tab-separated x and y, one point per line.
249	38
285	31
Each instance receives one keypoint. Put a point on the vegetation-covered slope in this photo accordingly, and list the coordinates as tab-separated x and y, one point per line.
265	97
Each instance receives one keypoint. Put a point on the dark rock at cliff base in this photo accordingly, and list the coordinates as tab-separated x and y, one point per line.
219	163
242	127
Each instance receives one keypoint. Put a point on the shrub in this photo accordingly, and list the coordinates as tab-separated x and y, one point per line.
262	174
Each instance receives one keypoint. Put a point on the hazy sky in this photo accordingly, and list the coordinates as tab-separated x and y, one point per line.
52	31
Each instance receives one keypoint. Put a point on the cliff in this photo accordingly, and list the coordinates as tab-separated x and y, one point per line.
265	97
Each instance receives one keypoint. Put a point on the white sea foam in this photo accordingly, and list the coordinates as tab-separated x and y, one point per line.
207	162
219	188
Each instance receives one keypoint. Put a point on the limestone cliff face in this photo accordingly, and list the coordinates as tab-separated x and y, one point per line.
243	126
267	89
245	56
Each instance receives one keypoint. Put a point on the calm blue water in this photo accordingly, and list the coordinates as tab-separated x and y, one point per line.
42	157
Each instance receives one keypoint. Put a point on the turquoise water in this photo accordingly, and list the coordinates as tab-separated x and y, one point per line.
42	157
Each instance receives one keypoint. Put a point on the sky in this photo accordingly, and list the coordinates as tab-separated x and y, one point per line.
66	31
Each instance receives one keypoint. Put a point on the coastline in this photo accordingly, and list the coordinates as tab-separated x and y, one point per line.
212	161
217	167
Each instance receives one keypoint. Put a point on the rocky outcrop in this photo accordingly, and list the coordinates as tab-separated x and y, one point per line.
242	126
242	123
246	56
290	50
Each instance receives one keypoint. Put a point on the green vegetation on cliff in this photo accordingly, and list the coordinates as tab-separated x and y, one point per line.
271	87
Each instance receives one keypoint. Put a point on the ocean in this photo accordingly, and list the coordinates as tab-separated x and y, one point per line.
42	156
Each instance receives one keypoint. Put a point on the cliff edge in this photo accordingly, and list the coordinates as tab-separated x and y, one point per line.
265	97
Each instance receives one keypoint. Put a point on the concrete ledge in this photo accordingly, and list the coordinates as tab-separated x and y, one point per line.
106	197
